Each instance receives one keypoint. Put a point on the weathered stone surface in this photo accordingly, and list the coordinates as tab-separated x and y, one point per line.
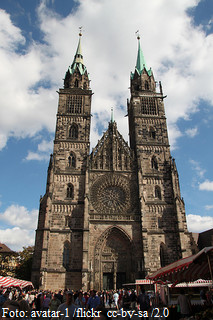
116	214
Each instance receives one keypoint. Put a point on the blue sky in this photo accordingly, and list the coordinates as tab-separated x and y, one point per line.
38	40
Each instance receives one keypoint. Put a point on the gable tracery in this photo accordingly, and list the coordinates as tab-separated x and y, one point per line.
111	152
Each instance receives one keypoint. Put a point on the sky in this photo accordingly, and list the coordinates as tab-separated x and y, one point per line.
38	41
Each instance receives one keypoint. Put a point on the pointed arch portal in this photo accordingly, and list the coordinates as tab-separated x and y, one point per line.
113	259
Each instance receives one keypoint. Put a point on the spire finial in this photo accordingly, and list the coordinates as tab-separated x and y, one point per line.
138	35
80	31
112	115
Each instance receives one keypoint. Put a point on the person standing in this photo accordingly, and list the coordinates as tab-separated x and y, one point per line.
184	303
80	300
115	298
143	300
54	303
93	301
126	301
133	299
67	309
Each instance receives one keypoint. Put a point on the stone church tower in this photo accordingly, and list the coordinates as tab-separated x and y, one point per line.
116	214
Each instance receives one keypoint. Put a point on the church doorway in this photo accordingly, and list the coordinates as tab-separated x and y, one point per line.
113	260
108	281
120	279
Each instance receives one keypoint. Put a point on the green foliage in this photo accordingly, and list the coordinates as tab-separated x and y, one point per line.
7	265
24	265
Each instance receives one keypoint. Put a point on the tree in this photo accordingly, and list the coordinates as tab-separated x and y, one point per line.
24	263
7	264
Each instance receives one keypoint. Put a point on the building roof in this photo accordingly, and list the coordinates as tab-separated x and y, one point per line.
5	249
78	63
140	63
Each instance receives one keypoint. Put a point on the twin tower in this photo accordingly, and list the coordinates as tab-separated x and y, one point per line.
115	214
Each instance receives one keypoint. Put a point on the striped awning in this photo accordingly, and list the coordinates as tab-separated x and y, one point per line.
192	268
7	282
198	283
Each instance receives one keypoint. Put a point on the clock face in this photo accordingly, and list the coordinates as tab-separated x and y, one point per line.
110	194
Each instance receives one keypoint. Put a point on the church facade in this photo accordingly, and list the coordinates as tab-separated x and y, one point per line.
115	214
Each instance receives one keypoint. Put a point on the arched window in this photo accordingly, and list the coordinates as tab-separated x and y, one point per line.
72	160
154	163
76	83
152	133
126	162
85	86
162	255
157	192
146	85
101	161
70	191
73	132
119	154
66	255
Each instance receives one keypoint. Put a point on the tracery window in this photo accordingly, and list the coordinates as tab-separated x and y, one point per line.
72	160
162	255
74	104
66	255
158	192
70	191
101	161
149	105
152	133
73	131
146	85
76	83
154	163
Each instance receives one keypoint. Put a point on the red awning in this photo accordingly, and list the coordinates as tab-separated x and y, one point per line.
6	282
198	266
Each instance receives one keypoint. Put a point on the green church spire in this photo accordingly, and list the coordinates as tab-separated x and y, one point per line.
140	63
78	62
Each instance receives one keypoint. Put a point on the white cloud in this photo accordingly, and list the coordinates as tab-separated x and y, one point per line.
192	132
206	185
10	36
197	223
19	216
197	168
178	55
209	207
21	225
43	152
16	238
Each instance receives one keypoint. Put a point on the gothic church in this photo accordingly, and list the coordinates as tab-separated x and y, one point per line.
116	214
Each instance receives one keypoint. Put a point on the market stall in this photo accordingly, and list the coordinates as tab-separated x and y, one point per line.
8	282
192	268
191	272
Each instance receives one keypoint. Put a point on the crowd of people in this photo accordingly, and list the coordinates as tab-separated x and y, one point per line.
60	300
62	304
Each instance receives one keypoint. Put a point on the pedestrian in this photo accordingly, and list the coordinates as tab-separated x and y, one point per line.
54	303
133	300
143	300
93	301
67	309
184	303
46	302
9	305
80	300
126	301
115	298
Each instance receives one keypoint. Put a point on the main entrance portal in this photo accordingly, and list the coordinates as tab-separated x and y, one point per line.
112	268
108	280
